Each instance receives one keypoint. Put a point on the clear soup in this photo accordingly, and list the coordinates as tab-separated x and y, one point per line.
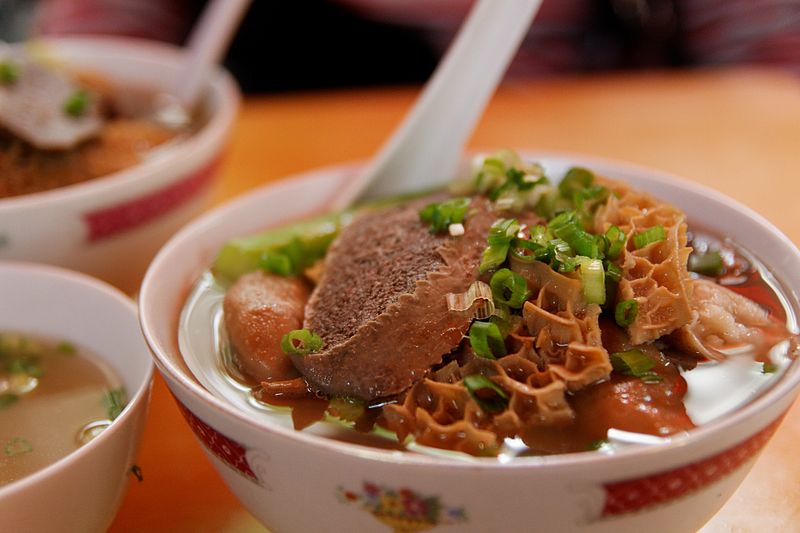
54	398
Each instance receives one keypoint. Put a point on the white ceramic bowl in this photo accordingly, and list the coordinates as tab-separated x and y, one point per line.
112	226
296	481
82	491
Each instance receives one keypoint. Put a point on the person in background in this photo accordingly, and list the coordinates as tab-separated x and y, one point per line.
308	44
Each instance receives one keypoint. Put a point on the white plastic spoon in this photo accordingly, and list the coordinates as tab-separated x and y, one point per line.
206	44
428	143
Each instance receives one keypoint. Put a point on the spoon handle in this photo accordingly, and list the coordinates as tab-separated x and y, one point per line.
206	44
426	147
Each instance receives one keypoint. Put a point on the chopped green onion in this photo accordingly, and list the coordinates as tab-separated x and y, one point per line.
769	368
9	73
707	264
276	262
7	399
486	340
66	348
486	393
502	319
77	103
635	363
593	281
503	230
563	256
540	235
18	446
25	364
599	445
114	400
509	288
441	215
625	312
504	175
529	251
575	180
301	342
347	409
615	239
593	193
613	272
649	236
567	227
501	234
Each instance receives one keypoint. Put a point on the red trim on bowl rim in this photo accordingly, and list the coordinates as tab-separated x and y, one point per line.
224	448
118	218
636	494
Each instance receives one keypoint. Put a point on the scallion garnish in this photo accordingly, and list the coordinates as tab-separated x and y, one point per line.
615	240
9	73
501	234
17	446
77	103
486	340
563	256
440	215
635	363
707	264
509	288
649	236
276	262
613	272
25	364
625	312
7	399
593	281
528	251
599	445
486	393
114	400
508	180
67	348
346	409
575	180
301	342
768	367
566	226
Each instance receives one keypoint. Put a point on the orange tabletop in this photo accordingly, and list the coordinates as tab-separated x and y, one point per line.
736	131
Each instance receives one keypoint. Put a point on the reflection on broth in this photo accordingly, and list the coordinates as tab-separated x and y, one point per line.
54	397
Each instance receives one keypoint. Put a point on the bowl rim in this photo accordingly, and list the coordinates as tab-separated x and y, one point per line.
139	396
223	93
788	384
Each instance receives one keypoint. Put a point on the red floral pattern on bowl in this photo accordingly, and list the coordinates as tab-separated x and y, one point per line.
224	448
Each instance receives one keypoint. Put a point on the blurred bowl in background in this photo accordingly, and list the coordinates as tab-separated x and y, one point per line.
111	226
83	490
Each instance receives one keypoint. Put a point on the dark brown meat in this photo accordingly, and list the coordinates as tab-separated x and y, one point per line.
381	304
259	309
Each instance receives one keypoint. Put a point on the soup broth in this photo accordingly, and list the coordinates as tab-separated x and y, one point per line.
54	397
527	318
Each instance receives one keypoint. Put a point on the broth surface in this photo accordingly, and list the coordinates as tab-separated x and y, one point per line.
54	398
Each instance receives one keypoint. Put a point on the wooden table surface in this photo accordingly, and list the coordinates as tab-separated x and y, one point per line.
737	131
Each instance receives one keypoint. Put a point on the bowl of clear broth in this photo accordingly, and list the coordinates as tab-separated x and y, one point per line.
75	381
560	340
99	162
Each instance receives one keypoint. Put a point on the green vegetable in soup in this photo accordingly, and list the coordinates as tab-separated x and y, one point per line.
289	250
